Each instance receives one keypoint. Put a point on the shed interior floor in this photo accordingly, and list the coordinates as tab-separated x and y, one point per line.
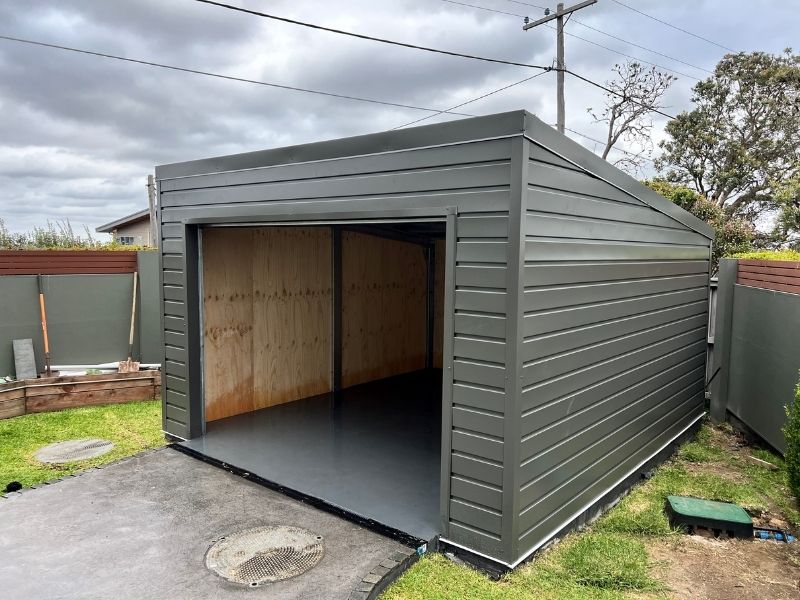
374	449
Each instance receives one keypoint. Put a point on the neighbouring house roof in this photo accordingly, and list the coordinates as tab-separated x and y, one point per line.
139	215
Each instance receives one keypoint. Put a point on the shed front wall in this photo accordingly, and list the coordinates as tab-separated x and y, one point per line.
612	355
470	180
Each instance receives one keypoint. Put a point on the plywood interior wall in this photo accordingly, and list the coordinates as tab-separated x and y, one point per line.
438	303
227	322
267	317
383	307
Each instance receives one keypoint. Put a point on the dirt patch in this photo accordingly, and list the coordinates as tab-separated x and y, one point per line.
772	519
719	469
701	568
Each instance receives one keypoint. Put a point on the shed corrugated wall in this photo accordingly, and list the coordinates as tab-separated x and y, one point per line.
614	334
473	176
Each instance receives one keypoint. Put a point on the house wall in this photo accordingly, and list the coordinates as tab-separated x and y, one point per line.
140	231
425	172
614	317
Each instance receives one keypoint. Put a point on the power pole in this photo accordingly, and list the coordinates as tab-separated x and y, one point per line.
560	65
151	201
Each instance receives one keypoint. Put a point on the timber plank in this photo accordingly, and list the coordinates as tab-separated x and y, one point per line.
13	407
768	285
86	386
784	264
79	378
64	262
51	402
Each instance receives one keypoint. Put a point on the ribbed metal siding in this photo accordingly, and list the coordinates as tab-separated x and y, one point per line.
474	177
613	353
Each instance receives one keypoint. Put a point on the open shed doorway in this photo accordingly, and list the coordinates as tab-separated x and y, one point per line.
322	363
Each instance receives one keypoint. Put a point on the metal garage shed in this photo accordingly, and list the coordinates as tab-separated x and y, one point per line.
476	331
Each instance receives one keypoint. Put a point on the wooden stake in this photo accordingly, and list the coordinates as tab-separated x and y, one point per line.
43	313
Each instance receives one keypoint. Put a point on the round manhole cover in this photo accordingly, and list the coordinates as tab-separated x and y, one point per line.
265	554
72	450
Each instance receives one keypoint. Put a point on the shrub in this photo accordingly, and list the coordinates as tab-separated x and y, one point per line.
57	236
732	234
791	432
792	255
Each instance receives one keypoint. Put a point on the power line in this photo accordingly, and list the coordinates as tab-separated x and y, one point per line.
369	37
583	135
588	41
636	58
681	29
486	95
413	46
528	4
227	77
494	10
614	37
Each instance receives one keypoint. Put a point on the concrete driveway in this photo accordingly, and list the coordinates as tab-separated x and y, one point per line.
140	528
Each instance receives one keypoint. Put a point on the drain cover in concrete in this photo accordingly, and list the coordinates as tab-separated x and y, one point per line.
72	450
265	554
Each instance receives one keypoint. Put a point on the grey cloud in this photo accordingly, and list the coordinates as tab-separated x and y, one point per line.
78	134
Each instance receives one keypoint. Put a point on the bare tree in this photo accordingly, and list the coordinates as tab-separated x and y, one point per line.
635	93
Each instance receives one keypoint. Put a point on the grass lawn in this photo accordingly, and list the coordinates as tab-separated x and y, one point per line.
133	427
614	558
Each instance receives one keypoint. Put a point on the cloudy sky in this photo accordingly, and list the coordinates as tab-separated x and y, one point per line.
79	134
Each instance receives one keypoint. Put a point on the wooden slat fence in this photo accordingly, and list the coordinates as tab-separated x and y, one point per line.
781	276
66	262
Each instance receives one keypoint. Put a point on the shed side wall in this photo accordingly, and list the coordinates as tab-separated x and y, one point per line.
473	178
384	298
613	352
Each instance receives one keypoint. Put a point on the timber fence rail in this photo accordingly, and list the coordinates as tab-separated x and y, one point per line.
781	276
66	262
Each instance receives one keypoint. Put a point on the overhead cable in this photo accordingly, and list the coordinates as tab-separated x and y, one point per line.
370	37
481	97
227	77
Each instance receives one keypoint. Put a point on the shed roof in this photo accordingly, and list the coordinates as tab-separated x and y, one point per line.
500	125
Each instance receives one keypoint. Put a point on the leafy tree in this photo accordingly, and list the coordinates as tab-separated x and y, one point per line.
732	234
635	93
740	146
791	433
787	226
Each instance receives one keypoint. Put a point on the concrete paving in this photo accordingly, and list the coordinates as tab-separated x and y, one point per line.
140	528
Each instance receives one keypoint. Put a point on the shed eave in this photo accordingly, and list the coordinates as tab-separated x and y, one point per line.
542	134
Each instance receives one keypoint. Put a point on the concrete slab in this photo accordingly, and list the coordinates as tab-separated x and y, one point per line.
373	449
140	528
